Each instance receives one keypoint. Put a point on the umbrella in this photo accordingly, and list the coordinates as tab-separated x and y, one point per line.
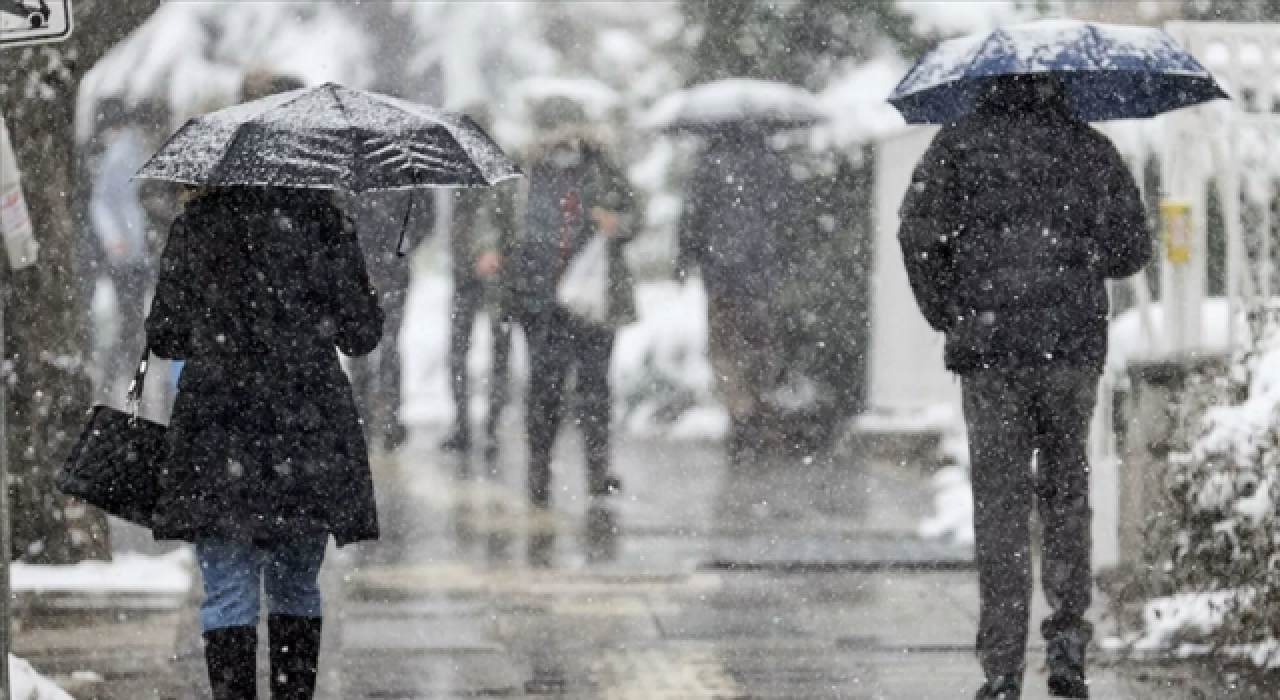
1109	71
764	104
331	137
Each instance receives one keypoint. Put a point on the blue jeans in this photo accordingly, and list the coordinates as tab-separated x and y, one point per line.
234	574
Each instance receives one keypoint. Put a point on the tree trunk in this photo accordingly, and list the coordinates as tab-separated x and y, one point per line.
45	319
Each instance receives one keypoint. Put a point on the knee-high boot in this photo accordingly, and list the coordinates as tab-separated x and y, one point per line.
231	655
295	655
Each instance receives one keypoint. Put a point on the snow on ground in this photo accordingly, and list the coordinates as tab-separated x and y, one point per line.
128	573
26	684
662	379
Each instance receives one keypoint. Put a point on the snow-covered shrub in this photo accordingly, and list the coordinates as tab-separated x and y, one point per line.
1217	532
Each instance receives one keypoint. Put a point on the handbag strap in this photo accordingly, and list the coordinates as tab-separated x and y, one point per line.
133	397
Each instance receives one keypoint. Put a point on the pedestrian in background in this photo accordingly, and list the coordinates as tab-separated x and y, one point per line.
1014	219
266	458
124	234
734	220
575	193
481	234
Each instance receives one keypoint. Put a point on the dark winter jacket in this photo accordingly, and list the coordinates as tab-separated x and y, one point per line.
1013	220
734	221
256	288
558	224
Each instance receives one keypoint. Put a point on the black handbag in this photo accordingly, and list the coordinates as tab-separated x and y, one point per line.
115	463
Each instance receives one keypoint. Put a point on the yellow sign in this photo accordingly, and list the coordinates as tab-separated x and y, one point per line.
1175	217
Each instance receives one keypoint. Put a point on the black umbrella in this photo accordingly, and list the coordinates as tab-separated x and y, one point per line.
331	137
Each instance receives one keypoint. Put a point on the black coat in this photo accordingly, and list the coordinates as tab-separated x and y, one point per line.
256	288
737	211
1013	220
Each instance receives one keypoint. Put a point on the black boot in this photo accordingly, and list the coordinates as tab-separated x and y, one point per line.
1065	656
231	655
603	483
458	441
540	481
295	652
1008	687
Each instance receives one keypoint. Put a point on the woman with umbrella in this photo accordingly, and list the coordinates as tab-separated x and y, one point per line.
261	278
1015	218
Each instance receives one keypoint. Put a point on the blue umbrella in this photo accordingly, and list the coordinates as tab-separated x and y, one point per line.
1109	71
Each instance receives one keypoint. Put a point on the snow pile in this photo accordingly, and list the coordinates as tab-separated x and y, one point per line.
953	507
730	100
1131	334
1217	536
857	104
26	684
193	56
128	573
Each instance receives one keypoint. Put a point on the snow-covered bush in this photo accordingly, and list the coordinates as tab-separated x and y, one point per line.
1218	531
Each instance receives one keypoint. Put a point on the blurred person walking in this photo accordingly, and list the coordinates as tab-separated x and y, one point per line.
375	378
266	457
124	236
481	234
733	225
578	203
1014	219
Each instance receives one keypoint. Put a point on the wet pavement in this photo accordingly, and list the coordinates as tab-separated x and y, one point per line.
789	578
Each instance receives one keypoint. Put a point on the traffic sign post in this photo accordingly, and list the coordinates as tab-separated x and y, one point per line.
22	23
26	22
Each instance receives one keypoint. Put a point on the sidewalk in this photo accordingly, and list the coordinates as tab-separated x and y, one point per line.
782	580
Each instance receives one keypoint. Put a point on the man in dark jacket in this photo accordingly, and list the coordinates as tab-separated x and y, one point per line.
1014	219
733	223
575	192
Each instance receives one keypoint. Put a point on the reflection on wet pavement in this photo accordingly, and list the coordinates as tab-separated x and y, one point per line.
773	580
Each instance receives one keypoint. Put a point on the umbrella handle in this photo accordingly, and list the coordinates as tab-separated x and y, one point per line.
404	227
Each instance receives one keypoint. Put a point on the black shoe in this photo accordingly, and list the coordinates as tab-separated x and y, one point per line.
1065	656
492	448
458	441
395	438
295	654
1001	688
604	485
231	655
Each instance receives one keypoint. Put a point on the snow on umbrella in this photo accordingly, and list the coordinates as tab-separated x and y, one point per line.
1109	71
331	137
769	105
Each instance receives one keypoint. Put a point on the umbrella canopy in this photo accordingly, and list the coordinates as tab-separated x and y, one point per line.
764	104
1109	71
331	137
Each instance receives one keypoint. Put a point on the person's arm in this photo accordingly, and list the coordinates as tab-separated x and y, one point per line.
169	322
1121	222
691	229
616	214
930	220
358	318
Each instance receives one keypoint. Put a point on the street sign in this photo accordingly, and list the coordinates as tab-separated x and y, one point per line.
24	22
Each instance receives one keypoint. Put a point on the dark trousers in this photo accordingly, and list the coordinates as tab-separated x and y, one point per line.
375	378
468	300
1012	417
557	343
